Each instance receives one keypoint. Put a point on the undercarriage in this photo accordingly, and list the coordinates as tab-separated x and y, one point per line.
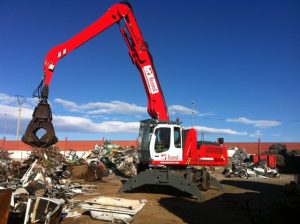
191	181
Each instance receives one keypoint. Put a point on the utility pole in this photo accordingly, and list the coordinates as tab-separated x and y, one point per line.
5	127
258	147
193	112
20	101
202	136
5	124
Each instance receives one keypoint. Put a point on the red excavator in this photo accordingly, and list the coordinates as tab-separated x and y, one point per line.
168	154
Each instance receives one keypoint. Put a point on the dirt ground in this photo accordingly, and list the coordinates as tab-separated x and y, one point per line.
240	201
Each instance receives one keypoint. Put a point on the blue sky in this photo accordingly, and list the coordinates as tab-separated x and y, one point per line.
229	68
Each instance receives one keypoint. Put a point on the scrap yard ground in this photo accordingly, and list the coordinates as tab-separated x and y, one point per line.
262	197
241	201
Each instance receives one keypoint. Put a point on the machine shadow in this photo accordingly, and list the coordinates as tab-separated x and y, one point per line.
260	187
267	204
160	189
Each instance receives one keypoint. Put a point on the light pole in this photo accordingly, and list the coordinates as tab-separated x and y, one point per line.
5	124
20	101
202	136
4	130
193	112
258	146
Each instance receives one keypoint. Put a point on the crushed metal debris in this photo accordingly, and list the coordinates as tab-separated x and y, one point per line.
241	165
113	209
42	187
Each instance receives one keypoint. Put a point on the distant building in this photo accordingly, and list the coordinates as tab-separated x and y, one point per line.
21	150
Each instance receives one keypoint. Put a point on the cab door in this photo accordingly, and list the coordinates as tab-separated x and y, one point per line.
166	144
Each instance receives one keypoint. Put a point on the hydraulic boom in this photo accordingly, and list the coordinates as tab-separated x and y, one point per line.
138	52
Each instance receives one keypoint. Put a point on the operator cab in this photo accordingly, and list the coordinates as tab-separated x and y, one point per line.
160	142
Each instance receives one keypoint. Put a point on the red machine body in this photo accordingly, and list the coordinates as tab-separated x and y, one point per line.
203	156
269	159
195	153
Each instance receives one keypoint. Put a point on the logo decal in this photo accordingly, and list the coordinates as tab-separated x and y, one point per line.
150	79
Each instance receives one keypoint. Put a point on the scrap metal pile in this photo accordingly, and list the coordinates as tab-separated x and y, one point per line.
116	159
46	177
8	167
241	165
43	173
41	179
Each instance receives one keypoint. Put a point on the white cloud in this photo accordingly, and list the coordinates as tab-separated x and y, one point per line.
218	131
9	116
256	134
13	101
6	99
100	108
79	124
86	125
177	109
68	105
255	123
31	102
10	112
118	107
206	114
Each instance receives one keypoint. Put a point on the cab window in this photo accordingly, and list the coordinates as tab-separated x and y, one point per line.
177	137
162	141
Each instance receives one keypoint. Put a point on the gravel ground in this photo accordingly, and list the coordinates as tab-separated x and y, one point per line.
240	201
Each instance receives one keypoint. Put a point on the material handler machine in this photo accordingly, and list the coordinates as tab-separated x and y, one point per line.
168	154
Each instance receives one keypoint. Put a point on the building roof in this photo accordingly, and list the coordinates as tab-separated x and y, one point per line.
250	147
64	145
256	148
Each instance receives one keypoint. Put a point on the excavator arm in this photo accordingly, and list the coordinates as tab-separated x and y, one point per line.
138	52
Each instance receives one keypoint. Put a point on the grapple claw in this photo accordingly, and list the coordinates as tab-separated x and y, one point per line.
41	119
